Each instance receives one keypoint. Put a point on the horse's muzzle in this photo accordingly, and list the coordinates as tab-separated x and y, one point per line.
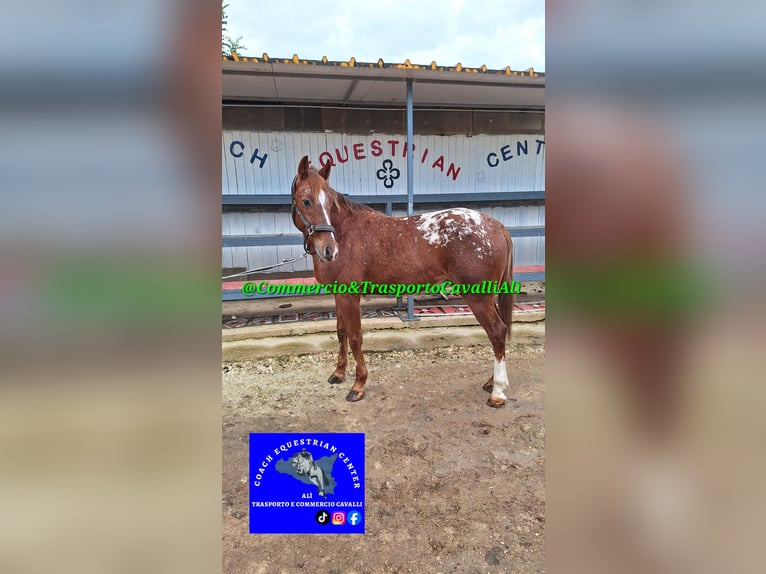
326	251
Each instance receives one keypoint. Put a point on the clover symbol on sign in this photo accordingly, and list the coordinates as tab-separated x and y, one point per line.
388	173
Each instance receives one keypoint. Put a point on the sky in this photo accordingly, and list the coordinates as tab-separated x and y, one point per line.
497	33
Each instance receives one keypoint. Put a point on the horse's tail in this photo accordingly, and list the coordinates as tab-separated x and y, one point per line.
505	300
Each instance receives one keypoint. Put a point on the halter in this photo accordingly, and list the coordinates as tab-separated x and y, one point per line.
310	228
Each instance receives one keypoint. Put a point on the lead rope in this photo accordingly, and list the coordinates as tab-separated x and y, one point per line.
284	262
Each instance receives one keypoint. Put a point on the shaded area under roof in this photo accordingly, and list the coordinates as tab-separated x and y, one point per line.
323	82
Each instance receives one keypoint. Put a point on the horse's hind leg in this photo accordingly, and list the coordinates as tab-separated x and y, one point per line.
352	316
483	307
340	369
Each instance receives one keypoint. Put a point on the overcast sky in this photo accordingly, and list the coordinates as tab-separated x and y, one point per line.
497	33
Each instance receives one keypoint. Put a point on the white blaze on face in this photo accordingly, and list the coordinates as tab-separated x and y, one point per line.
500	379
323	204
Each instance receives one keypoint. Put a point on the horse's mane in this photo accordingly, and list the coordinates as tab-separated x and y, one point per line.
350	206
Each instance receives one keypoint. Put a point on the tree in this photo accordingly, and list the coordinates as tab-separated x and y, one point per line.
228	45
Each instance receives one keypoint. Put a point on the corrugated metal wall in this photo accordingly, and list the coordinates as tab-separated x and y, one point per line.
264	163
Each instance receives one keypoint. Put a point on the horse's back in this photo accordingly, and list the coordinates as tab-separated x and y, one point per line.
455	243
457	224
461	227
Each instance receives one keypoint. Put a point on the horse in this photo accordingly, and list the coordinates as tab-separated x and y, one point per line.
351	242
304	464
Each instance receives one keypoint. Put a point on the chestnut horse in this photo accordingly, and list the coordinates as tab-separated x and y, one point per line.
352	242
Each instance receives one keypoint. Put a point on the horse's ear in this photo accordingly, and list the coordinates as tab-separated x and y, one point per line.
325	171
303	167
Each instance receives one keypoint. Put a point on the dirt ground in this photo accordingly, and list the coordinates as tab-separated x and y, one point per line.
451	484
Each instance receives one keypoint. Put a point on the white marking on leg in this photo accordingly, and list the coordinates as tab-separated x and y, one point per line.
499	380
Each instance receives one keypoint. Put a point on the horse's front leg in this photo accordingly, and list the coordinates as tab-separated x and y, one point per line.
320	483
352	319
340	369
315	482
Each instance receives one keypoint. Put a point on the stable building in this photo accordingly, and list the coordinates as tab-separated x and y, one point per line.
477	141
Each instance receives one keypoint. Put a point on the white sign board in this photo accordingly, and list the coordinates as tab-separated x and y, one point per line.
257	163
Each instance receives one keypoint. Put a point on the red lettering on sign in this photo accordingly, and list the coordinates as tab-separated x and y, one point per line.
326	157
337	154
451	171
359	152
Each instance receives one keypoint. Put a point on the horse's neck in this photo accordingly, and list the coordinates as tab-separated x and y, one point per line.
344	220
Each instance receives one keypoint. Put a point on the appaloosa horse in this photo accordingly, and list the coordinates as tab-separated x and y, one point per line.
352	242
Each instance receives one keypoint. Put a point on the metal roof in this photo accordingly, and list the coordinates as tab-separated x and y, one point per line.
352	83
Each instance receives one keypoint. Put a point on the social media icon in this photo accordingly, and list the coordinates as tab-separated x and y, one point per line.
323	517
354	517
338	518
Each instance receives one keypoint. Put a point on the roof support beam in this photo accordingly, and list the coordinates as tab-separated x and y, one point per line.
350	91
410	187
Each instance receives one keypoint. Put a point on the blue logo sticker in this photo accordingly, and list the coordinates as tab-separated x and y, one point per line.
306	483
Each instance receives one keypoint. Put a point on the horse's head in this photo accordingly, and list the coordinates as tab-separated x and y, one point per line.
311	210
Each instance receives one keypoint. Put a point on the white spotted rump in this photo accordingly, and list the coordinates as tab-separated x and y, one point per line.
442	227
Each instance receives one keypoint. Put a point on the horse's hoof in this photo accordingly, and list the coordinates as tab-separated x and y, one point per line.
333	380
495	403
488	385
354	396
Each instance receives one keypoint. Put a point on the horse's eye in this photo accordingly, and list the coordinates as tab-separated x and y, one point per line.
306	203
